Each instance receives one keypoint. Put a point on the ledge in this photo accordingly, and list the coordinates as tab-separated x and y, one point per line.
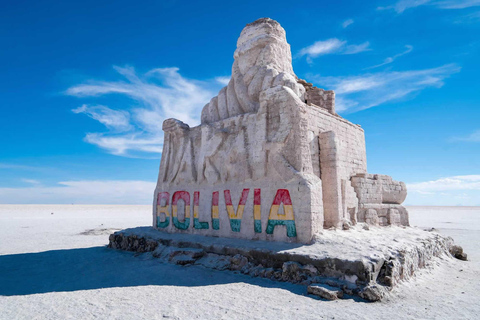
362	262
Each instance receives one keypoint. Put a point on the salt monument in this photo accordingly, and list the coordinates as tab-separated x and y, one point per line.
273	183
271	159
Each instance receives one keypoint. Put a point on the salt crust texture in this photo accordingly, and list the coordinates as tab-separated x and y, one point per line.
53	268
269	130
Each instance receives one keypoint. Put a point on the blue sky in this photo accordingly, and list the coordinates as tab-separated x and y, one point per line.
85	86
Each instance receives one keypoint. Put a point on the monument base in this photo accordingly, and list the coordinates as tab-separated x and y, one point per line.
364	261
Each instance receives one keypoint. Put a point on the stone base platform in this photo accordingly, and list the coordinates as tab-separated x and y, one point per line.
364	261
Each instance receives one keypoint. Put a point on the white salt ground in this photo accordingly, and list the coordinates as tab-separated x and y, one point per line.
56	266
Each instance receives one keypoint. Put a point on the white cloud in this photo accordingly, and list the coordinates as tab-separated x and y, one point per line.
347	22
356	93
403	5
223	80
357	48
389	60
469	182
158	94
448	191
322	47
112	119
356	84
473	137
457	4
82	192
127	144
332	46
31	181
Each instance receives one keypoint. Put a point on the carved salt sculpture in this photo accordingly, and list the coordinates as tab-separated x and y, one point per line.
271	159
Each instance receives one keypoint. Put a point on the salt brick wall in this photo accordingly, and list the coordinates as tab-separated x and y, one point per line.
322	98
352	157
342	155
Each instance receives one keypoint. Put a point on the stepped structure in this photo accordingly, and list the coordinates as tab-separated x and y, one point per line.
271	159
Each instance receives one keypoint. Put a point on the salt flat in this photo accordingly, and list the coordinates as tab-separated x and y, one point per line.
56	266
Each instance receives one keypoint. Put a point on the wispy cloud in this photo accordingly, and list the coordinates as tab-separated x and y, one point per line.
356	48
322	47
469	182
158	94
360	92
112	119
402	5
31	181
130	145
347	22
82	192
473	137
456	190
389	60
223	80
456	4
332	46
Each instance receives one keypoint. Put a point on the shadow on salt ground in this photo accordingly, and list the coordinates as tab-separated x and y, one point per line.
100	267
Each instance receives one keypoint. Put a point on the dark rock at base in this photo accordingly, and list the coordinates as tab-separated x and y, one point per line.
290	271
183	259
462	256
269	272
326	293
457	252
214	261
350	291
238	262
372	293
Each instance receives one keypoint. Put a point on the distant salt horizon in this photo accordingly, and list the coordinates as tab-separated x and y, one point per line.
444	191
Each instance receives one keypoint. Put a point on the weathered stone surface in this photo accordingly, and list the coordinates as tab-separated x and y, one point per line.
371	217
461	256
271	159
373	293
238	262
290	271
325	292
185	256
319	97
382	195
183	259
215	261
370	271
262	61
376	188
458	253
